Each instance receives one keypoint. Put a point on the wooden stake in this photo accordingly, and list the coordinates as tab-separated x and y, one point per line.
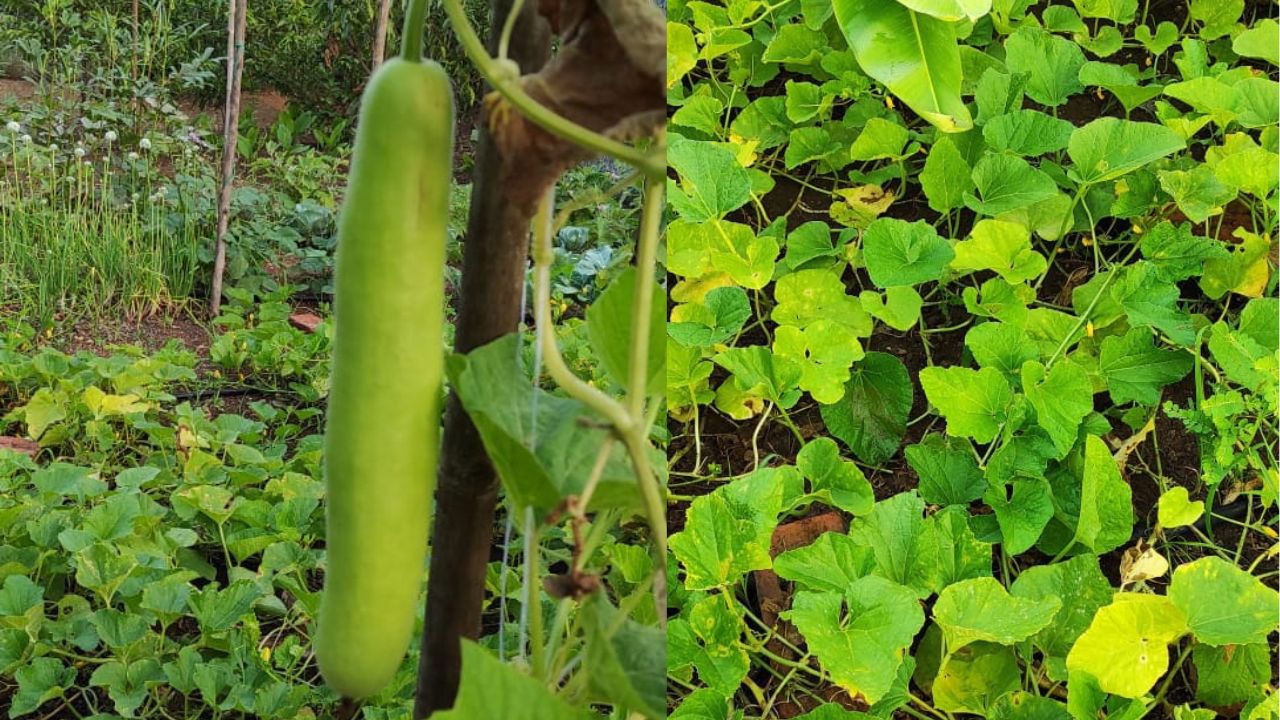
237	10
380	34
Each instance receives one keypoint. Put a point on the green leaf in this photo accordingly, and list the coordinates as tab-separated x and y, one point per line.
1244	270
701	112
756	369
127	685
710	641
724	539
747	258
544	446
1198	192
1217	17
1135	370
702	704
948	552
1109	147
810	241
1062	398
118	629
1121	81
998	93
1151	301
609	321
712	183
1004	247
805	101
892	530
796	44
829	564
1052	64
1165	36
974	402
490	688
981	609
1006	183
682	52
217	610
1000	345
1082	588
719	317
878	140
1106	502
40	681
947	470
1175	508
1022	705
1119	11
946	176
806	296
898	252
871	417
838	480
863	650
1022	515
627	659
824	349
923	70
1027	132
1224	605
971	679
1259	41
951	9
1126	647
1229	675
899	308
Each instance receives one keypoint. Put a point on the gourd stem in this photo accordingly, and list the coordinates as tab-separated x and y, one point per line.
642	311
411	38
653	165
542	256
504	41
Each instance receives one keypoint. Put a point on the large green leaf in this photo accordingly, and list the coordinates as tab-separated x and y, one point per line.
1051	63
1109	147
898	252
871	417
838	482
1006	183
627	659
913	54
971	679
711	182
831	563
1135	369
492	689
981	609
945	176
1062	397
1106	501
863	650
1082	588
543	446
725	536
947	470
974	402
609	327
1224	604
1004	247
951	9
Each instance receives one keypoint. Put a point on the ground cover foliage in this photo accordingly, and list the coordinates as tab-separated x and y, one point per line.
972	359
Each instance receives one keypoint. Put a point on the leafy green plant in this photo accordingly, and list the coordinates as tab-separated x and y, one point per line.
1006	267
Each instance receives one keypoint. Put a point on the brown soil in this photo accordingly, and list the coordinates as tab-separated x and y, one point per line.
150	333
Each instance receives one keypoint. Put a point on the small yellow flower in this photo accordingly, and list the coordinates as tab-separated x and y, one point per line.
1088	328
888	101
1137	229
1088	241
266	654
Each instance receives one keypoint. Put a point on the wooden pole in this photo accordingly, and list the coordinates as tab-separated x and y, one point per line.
493	276
237	11
380	34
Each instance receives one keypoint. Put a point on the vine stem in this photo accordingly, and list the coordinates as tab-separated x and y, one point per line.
411	40
653	165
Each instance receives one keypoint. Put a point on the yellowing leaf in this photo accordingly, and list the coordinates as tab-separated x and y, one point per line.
1126	647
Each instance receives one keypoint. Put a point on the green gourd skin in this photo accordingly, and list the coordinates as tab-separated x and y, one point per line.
381	439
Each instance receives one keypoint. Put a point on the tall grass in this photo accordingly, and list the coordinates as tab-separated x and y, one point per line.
83	237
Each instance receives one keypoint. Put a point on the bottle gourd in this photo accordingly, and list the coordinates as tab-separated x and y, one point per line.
381	438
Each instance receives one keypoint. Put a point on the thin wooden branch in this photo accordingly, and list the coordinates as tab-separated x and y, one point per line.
237	12
380	35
